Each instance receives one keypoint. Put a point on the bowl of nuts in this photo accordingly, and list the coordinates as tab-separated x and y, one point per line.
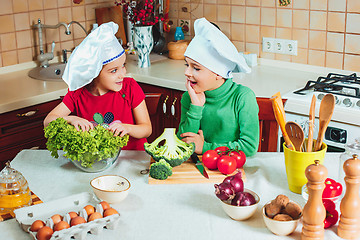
281	215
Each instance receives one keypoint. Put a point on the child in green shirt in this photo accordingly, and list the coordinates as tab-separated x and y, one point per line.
215	111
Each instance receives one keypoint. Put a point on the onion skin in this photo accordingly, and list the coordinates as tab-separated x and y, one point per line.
243	199
236	182
224	191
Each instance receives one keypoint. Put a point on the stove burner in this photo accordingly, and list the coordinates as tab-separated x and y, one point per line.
327	87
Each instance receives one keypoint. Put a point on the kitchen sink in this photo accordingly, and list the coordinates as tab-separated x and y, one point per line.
53	72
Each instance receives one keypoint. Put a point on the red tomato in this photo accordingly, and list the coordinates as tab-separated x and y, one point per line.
210	158
221	149
239	157
226	164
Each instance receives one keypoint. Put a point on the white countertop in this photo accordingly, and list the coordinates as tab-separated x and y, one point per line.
155	212
18	90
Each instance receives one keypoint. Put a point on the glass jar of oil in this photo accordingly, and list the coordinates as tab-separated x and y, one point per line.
14	190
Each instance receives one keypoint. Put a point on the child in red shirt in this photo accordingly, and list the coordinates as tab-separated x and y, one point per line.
98	88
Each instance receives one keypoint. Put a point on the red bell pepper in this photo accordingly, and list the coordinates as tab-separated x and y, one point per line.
332	215
332	188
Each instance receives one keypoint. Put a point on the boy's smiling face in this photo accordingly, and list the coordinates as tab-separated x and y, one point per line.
201	79
110	77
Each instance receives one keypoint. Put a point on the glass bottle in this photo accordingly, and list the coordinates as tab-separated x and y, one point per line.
350	150
14	190
179	35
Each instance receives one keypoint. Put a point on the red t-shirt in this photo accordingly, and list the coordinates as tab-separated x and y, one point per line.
83	104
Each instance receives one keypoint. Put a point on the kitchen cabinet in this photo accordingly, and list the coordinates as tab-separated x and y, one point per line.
23	128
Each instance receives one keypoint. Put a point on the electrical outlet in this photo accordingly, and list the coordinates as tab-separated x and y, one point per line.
185	25
290	47
281	46
268	44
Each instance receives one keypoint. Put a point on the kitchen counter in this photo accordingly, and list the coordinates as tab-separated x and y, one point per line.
182	211
18	90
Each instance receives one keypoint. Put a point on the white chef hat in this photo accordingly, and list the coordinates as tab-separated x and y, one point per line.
86	61
212	49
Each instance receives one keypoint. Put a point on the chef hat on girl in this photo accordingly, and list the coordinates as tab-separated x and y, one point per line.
86	61
212	49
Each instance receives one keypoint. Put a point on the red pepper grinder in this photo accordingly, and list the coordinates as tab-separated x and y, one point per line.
349	224
314	211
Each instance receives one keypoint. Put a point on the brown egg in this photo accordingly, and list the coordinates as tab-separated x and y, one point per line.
72	214
56	218
61	225
93	216
77	220
44	233
89	209
105	205
110	211
36	225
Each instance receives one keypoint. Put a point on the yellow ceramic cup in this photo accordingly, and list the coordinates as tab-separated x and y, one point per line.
296	163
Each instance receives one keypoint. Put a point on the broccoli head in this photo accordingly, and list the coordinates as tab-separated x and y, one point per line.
160	170
170	148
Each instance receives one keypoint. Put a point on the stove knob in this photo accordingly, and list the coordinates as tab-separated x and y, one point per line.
347	102
337	101
358	104
320	96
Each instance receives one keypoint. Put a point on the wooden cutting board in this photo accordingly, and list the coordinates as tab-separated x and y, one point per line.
188	173
115	14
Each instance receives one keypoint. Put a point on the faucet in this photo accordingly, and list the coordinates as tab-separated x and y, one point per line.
44	58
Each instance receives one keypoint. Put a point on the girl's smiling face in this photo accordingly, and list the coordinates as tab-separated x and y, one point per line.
201	79
110	77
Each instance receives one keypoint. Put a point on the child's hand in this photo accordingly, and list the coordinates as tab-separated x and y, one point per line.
197	99
79	123
198	139
119	128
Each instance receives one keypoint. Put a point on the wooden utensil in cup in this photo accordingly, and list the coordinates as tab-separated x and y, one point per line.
296	134
326	111
311	124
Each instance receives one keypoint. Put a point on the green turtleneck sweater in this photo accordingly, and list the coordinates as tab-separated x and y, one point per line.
229	118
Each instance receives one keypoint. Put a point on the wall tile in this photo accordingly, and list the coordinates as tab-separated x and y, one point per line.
25	55
335	42
334	60
23	39
7	24
267	55
69	44
197	10
352	43
51	17
34	16
21	21
78	32
252	2
316	58
238	32
302	36
283	57
283	33
6	7
8	41
209	1
318	4
92	1
238	2
301	57
182	14
317	40
9	58
252	15
35	5
266	31
252	33
284	18
238	14
301	19
20	6
301	4
78	13
90	12
336	21
337	5
268	16
224	13
240	46
352	23
1	64
252	48
64	3
318	20
268	3
351	62
210	12
227	2
65	15
49	4
353	6
225	28
173	11
51	35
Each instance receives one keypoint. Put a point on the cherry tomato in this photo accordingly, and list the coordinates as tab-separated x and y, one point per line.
221	149
210	158
239	157
226	164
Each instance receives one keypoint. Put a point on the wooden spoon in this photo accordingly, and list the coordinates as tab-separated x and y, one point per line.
296	134
311	124
326	111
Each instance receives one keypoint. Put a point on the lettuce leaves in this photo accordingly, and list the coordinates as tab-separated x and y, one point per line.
86	147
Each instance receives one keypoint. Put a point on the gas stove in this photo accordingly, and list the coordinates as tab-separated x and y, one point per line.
345	122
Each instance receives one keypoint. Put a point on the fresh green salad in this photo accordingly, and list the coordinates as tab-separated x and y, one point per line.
86	147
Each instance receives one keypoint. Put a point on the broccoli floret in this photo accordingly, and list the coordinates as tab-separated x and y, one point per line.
170	148
160	170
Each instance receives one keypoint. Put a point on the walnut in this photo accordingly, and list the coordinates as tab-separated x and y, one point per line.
272	209
293	210
282	217
282	200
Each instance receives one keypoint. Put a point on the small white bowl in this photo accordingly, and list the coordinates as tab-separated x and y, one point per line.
241	212
111	188
281	228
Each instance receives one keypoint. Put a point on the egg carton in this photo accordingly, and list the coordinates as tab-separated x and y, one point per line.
74	203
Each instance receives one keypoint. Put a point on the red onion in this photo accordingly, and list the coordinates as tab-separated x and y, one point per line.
236	182
243	199
224	191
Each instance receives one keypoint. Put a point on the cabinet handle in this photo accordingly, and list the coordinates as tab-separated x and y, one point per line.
173	107
164	104
27	114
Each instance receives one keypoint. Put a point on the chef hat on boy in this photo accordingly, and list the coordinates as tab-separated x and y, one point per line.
86	61
212	49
